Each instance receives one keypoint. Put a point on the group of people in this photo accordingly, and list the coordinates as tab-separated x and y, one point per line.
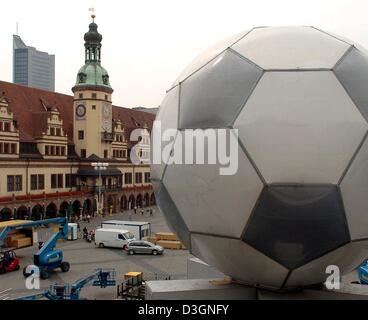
89	236
149	211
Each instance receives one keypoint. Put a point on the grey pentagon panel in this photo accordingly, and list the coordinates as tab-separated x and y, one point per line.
354	191
346	258
207	55
296	224
208	201
213	96
167	118
300	127
294	47
170	212
352	72
239	261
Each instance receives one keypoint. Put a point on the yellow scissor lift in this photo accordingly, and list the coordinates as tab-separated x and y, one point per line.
133	287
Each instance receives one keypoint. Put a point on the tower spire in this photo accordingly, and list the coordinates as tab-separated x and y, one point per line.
92	42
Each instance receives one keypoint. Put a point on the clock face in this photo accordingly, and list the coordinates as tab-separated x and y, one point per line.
106	111
106	125
80	111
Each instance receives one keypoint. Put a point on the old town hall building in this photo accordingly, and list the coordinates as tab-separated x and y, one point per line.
49	143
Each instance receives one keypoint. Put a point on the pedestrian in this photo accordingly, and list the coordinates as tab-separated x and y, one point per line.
135	210
88	218
151	212
85	232
142	211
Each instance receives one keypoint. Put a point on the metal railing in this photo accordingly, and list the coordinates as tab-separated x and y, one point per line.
94	189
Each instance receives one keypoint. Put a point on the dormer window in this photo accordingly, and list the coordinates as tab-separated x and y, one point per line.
94	95
82	77
5	126
105	79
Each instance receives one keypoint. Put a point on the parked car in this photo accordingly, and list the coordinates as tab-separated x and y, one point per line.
112	238
144	247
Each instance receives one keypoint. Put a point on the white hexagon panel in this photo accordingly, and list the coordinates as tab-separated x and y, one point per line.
296	203
294	127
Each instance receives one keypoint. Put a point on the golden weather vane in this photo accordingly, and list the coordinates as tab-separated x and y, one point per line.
93	13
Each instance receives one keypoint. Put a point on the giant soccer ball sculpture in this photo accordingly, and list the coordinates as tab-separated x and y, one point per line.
299	200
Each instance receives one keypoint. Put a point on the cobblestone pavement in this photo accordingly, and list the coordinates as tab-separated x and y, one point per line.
84	257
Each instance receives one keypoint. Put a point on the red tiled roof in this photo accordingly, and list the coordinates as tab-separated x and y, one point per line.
28	105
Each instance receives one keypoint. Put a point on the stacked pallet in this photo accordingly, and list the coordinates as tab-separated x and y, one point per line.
152	239
18	240
167	240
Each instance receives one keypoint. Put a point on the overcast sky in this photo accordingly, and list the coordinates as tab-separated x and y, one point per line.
148	42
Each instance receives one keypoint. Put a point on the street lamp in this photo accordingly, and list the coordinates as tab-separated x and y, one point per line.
99	166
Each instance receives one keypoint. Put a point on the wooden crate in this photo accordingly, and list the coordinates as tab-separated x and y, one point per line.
167	244
22	242
12	237
166	236
152	239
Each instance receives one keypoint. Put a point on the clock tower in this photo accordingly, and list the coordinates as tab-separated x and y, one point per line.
92	116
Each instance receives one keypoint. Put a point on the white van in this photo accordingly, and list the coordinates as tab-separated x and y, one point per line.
140	229
115	238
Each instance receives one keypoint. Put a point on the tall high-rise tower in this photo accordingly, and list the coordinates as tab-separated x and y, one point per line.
31	67
92	101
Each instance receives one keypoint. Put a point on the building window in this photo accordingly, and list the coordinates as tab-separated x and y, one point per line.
62	151
56	181
18	183
33	181
94	107
8	148
53	181
81	96
5	126
81	135
41	182
60	180
10	182
128	178
52	131
47	150
83	153
124	153
105	154
94	95
14	183
147	177
37	182
70	180
58	132
106	97
138	177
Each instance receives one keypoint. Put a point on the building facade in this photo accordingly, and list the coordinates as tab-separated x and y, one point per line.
50	144
31	67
